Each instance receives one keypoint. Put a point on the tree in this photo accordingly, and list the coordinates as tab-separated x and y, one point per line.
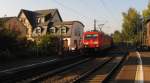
1	23
48	44
146	12
7	39
117	38
132	24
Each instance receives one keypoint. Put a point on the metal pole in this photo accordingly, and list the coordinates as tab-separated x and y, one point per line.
100	26
37	49
142	34
60	43
94	25
138	39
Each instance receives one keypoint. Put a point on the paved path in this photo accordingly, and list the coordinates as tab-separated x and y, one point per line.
128	72
145	56
136	69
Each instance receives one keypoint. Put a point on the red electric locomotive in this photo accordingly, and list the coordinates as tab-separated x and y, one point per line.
96	40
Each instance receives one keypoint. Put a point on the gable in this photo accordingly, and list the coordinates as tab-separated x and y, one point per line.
56	17
24	19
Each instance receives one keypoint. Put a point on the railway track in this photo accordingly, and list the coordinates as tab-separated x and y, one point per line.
72	70
37	79
75	73
91	71
103	74
23	73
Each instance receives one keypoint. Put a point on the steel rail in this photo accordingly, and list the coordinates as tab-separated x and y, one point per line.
77	74
46	74
108	75
15	75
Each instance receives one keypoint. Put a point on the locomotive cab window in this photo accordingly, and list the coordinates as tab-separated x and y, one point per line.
91	36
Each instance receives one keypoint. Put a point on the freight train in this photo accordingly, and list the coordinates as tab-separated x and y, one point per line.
96	41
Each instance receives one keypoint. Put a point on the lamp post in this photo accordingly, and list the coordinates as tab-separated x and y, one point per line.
38	39
142	32
142	39
140	29
60	40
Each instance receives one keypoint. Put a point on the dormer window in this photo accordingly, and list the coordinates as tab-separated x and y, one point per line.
22	20
38	20
64	29
52	30
38	30
42	19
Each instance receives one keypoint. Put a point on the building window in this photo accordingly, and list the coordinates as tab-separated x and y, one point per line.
38	20
52	30
77	32
38	30
42	20
63	30
22	20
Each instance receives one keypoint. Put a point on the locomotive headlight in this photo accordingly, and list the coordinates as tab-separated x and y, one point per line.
86	43
95	42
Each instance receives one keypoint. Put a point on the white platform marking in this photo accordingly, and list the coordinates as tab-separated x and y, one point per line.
139	77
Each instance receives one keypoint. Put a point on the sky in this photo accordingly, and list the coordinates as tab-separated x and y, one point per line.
107	12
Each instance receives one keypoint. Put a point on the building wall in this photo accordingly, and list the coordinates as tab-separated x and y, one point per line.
44	30
24	20
69	33
77	30
148	34
15	25
68	39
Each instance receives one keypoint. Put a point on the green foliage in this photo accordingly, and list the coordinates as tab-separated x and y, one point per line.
48	44
7	39
47	40
117	37
146	12
10	45
132	24
1	23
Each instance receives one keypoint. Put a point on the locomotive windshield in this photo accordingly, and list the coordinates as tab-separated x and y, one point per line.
91	36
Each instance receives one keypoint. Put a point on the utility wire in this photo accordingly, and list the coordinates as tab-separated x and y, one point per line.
90	8
84	2
72	10
107	9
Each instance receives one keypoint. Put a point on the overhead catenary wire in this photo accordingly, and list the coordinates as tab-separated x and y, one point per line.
91	9
109	12
82	16
107	9
73	10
